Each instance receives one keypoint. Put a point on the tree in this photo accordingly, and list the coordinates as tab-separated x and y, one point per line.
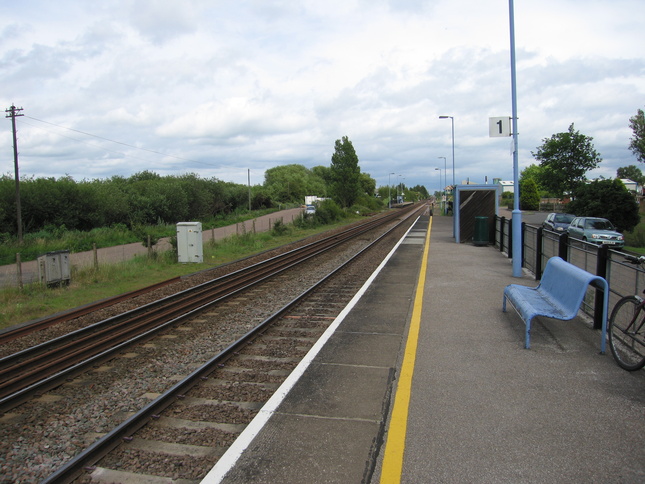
345	173
608	199
533	172
637	141
421	190
291	183
529	195
631	172
322	172
368	184
565	159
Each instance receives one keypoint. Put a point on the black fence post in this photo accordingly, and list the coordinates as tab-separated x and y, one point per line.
523	234
502	222
538	254
563	242
510	238
601	270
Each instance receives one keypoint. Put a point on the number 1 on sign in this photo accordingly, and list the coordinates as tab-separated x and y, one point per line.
500	126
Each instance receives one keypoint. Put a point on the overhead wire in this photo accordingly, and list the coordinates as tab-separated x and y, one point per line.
85	142
106	139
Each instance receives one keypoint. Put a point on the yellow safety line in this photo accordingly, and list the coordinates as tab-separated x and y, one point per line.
395	444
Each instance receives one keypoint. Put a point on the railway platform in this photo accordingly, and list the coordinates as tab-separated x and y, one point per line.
423	379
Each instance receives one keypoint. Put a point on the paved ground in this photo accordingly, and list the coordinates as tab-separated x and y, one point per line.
481	407
110	255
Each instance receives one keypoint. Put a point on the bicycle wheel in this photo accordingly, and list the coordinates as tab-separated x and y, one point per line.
627	340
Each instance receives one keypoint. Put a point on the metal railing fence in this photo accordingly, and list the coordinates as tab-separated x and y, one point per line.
539	245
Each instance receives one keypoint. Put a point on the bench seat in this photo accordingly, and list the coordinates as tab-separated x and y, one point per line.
559	296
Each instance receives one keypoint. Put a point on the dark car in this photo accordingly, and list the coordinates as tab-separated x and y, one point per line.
596	230
558	222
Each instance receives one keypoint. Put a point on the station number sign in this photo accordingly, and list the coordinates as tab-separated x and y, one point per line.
499	127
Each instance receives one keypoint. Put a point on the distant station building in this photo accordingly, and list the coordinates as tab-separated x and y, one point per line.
507	186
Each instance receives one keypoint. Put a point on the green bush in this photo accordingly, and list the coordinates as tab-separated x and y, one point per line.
329	212
360	210
306	221
636	238
371	204
279	228
529	195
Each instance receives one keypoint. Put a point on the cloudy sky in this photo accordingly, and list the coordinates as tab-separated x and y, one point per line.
220	87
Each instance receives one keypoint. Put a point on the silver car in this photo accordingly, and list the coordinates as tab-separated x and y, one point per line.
595	230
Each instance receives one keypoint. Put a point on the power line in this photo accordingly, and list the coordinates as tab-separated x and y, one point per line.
111	141
84	142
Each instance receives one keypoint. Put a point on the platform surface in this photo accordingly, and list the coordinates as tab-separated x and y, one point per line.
481	407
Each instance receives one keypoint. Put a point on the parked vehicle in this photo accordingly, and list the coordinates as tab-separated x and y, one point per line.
310	210
558	222
595	230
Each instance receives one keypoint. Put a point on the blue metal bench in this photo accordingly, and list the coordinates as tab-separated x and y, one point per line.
559	296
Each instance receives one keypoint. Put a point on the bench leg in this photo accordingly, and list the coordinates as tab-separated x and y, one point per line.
527	338
504	303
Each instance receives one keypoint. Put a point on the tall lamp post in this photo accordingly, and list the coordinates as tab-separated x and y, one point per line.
517	214
452	121
441	189
389	191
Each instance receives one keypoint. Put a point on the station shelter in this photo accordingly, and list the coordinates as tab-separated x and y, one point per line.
474	211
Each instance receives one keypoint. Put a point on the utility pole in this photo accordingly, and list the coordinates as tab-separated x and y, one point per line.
13	111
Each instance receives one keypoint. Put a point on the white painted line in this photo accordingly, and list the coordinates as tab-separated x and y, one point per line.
231	456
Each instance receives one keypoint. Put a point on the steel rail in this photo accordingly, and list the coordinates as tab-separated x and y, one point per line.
39	368
90	456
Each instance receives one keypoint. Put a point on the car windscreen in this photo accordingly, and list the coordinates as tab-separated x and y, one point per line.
563	218
599	225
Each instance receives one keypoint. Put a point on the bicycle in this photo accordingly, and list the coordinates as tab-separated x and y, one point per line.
627	328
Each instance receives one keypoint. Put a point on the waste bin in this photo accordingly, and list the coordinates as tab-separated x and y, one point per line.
480	238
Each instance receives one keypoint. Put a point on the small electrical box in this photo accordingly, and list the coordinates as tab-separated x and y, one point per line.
53	268
189	242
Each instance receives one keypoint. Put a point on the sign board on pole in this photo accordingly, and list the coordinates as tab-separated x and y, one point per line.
499	127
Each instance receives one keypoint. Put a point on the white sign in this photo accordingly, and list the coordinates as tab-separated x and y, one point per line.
499	127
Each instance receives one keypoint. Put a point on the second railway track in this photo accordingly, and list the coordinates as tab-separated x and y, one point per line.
178	350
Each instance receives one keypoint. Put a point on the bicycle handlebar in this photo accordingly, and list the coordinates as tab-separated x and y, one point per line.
634	259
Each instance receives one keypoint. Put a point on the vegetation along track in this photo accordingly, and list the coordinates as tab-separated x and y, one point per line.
37	368
109	401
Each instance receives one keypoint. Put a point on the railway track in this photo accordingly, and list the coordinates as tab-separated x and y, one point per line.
173	437
250	368
36	369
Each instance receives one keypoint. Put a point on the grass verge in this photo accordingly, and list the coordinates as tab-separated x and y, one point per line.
88	285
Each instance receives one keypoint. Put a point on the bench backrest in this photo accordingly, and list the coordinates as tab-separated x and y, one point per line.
566	283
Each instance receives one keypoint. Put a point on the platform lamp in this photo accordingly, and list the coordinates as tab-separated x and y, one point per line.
445	176
389	190
440	189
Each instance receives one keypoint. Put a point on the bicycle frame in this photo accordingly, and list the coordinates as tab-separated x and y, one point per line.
630	332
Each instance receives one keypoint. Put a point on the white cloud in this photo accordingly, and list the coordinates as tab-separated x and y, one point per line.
230	85
160	20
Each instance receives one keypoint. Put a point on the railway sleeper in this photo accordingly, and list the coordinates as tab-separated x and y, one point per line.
109	476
